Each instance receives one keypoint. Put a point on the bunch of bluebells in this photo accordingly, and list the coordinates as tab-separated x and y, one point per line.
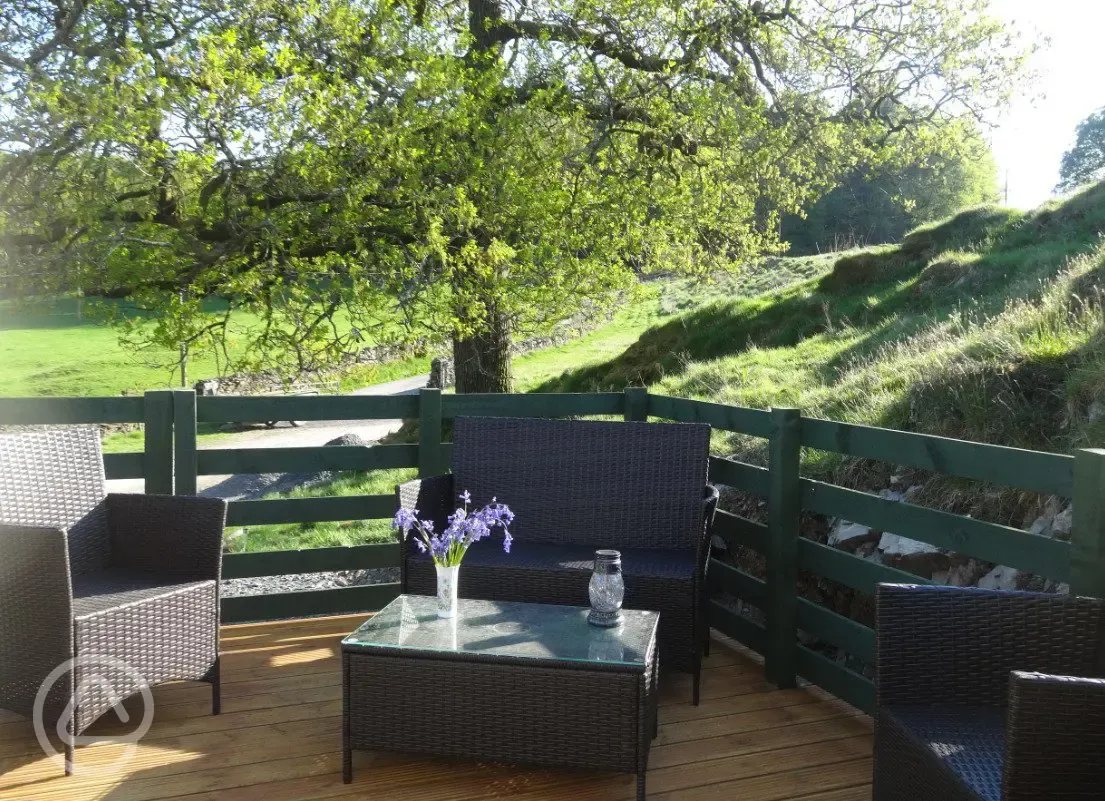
464	528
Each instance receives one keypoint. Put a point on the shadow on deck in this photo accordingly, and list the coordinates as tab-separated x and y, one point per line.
279	739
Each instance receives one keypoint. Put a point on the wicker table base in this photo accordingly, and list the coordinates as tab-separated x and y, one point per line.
491	706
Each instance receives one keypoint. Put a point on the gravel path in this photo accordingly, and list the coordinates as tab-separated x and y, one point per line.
245	486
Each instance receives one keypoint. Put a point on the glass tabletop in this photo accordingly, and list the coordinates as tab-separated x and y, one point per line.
507	630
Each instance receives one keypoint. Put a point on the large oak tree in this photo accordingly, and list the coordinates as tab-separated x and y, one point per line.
473	168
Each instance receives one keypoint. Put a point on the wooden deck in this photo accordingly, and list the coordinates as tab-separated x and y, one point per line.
278	739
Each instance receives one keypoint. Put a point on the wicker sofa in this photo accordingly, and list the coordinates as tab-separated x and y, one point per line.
126	585
985	695
576	486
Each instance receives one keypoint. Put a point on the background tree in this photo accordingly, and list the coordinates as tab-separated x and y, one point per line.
1085	162
471	168
879	203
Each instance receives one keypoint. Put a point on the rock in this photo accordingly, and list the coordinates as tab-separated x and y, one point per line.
347	441
1061	525
1096	411
442	374
1000	578
893	545
892	495
912	555
963	575
1041	527
1030	582
846	534
718	544
913	491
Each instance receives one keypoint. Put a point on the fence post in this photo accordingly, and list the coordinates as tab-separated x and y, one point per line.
783	510
184	441
157	459
430	462
636	404
1087	540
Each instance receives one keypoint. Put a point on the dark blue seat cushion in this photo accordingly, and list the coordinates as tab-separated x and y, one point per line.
969	741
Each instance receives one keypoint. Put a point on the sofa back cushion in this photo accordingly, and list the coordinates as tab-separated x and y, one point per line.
55	478
582	482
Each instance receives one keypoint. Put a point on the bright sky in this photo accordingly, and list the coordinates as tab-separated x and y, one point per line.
1035	131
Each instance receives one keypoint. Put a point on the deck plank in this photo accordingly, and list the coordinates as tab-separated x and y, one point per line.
278	739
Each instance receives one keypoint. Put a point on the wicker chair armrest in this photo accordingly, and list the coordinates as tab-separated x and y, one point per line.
710	497
174	535
433	497
36	613
952	645
1055	737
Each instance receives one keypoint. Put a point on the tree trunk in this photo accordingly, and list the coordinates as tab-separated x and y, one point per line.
482	361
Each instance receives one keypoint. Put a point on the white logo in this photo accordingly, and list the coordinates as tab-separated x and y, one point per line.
93	671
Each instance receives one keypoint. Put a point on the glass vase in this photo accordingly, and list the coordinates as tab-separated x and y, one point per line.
606	590
448	578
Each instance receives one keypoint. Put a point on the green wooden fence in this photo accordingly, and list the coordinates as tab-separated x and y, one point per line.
170	462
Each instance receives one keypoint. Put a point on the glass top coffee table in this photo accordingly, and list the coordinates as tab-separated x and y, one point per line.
502	682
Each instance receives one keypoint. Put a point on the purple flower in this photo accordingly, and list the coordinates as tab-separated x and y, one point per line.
463	528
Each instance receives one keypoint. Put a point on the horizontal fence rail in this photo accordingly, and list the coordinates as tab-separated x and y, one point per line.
171	462
1013	467
535	405
304	460
263	409
71	411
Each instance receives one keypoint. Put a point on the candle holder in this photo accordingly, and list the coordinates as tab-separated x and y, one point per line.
606	590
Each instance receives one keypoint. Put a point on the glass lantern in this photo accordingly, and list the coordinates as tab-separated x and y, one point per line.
607	590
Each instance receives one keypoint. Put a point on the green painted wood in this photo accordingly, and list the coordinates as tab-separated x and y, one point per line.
740	628
843	632
636	404
261	409
184	441
849	570
430	462
965	535
309	560
123	465
157	460
1032	470
1087	555
755	422
723	577
857	690
532	405
739	475
223	461
70	411
783	510
447	455
281	606
737	530
310	510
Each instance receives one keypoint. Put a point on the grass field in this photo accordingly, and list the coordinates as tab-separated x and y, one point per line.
987	326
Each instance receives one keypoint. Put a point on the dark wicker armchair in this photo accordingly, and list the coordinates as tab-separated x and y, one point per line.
989	696
575	486
102	579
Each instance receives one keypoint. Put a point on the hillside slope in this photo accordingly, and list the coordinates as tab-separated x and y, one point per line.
987	326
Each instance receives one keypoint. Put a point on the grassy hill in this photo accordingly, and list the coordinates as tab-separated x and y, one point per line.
988	326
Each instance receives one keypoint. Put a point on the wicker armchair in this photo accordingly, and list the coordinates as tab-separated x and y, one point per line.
985	695
575	486
111	579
